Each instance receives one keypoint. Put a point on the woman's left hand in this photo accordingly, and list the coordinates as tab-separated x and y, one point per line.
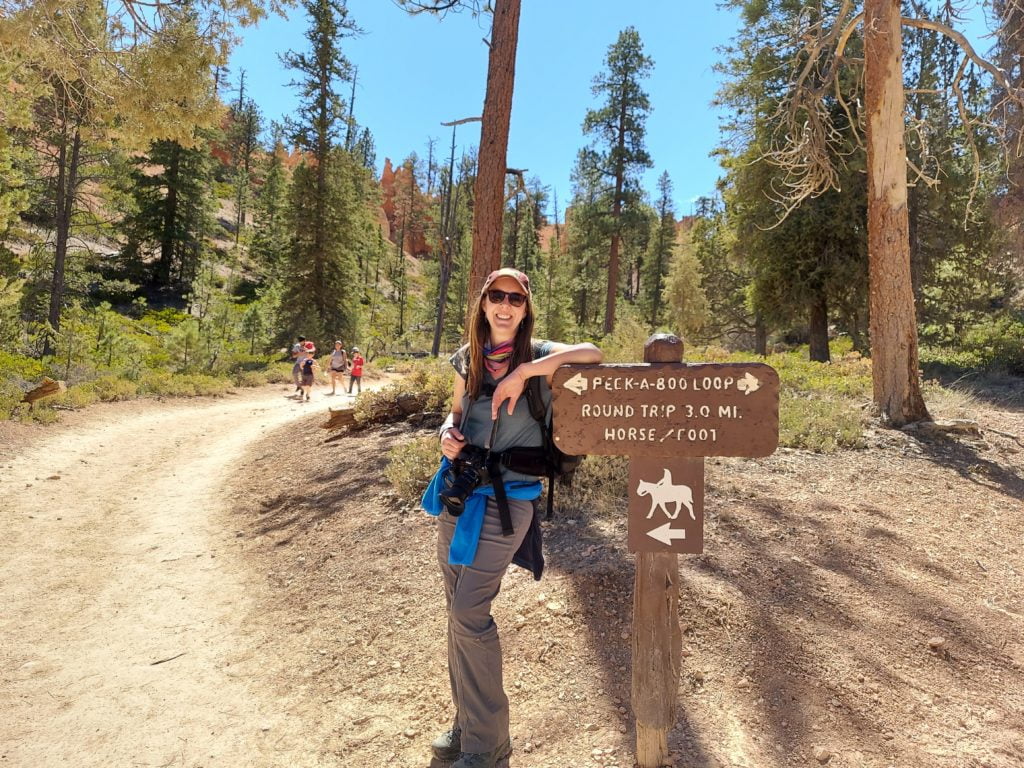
510	388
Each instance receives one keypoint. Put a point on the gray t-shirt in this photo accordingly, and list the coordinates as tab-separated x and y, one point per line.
520	430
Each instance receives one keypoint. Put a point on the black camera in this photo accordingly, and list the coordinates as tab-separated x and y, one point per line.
467	473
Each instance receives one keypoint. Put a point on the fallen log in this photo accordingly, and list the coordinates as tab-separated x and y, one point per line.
340	418
47	388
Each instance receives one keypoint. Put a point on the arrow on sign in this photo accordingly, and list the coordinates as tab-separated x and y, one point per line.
749	383
577	384
666	533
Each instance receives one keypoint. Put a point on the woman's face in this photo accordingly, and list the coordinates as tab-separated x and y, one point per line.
503	318
337	345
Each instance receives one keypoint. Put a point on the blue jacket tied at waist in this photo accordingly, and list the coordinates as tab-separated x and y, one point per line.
469	524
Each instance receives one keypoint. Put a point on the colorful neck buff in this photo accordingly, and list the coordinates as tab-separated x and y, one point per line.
496	357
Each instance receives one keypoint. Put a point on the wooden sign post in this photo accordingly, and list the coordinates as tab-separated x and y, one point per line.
666	416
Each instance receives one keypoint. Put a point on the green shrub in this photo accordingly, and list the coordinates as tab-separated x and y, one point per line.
994	346
206	386
168	384
250	378
625	344
848	376
427	389
411	465
599	488
112	388
279	373
75	397
818	422
243	361
10	398
19	367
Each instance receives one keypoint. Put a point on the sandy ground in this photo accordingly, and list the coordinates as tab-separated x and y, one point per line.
122	620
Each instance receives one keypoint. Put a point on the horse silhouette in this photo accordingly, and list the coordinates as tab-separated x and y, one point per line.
663	493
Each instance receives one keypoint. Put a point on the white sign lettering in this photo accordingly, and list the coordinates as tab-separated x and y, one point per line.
663	493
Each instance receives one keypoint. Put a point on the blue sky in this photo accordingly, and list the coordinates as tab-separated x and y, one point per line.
416	72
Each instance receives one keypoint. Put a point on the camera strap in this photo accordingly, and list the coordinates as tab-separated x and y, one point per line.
493	464
494	470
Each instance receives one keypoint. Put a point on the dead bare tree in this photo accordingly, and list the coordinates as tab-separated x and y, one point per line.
808	147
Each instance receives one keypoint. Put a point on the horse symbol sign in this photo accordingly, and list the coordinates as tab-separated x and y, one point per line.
662	490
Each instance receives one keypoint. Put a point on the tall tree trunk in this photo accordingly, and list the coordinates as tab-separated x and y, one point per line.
351	121
613	252
760	337
445	261
513	238
239	215
656	288
67	180
818	328
489	190
399	280
897	389
167	238
322	151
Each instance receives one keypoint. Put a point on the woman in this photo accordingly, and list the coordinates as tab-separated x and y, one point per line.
339	362
473	549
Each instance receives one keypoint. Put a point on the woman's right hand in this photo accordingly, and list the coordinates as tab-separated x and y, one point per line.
452	442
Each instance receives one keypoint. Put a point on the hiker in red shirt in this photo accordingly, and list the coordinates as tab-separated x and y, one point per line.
356	373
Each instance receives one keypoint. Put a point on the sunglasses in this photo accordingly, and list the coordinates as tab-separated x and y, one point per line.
515	299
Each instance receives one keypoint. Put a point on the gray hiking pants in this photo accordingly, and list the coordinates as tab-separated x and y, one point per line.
474	652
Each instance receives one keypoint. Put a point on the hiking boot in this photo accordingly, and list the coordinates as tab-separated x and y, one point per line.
448	746
484	759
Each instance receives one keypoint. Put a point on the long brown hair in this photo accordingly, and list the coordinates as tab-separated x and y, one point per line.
522	348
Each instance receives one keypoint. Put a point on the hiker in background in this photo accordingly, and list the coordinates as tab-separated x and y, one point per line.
310	367
338	365
355	375
297	355
475	548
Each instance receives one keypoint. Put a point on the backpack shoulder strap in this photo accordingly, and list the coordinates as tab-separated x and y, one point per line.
536	401
540	415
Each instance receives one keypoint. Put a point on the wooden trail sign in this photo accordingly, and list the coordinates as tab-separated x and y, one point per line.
675	409
666	416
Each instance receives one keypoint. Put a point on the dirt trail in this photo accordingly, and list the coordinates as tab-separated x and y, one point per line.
855	610
121	620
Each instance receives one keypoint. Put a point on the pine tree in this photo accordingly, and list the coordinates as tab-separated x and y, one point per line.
325	206
619	130
587	225
725	278
173	213
685	303
242	133
320	294
551	294
659	256
91	80
271	236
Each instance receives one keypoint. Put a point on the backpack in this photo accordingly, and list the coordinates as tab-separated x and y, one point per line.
557	464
